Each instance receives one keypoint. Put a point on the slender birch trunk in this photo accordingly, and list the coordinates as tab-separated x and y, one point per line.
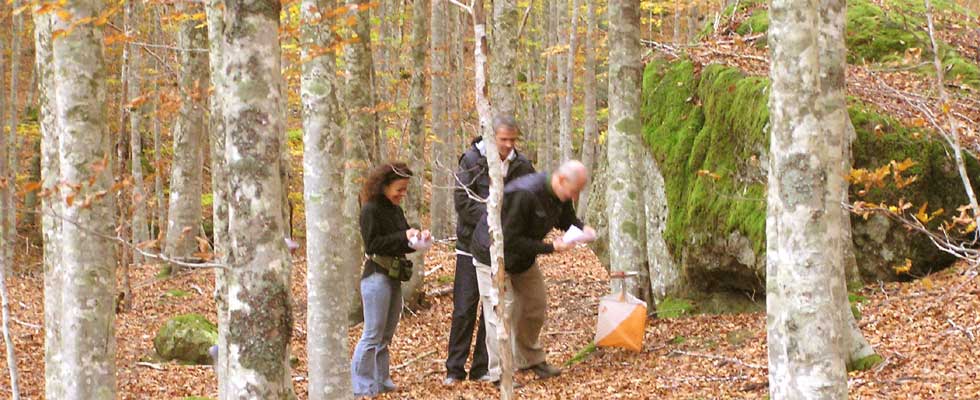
87	262
413	291
260	318
626	73
183	224
566	74
804	230
7	339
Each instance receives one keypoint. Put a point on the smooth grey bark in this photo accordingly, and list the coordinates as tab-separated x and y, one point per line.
806	328
186	178
133	73
219	184
323	192
566	78
591	134
503	47
358	134
546	143
6	154
625	76
87	262
440	156
413	291
260	319
661	270
51	206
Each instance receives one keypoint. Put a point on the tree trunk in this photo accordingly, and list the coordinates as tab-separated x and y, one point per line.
184	212
328	298
442	165
50	206
626	73
11	353
260	319
566	78
804	230
13	143
591	136
413	291
502	62
219	185
6	155
359	135
495	199
134	11
86	263
546	143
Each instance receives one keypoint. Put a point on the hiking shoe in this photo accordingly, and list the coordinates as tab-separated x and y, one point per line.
450	380
544	371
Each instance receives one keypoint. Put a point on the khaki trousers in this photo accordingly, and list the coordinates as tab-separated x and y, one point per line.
527	301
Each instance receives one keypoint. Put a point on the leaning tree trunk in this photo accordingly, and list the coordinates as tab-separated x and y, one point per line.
259	316
359	134
440	156
626	73
50	206
804	230
87	260
219	185
328	297
591	121
413	291
184	212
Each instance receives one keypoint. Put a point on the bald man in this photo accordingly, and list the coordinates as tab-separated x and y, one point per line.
533	206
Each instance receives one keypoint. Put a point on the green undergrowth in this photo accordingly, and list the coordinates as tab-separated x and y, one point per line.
581	355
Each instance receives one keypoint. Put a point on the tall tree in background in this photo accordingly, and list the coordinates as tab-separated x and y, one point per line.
260	319
133	74
323	172
412	291
13	143
591	134
804	230
503	47
219	183
546	141
87	262
50	205
625	76
440	208
184	222
359	134
566	80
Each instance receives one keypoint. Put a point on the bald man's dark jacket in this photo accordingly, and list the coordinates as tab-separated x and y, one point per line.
530	210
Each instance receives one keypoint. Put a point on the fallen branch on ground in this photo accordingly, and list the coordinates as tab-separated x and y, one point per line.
409	362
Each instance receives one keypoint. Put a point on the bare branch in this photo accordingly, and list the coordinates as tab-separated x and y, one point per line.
468	9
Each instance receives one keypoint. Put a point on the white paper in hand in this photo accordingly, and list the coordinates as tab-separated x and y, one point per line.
416	243
575	235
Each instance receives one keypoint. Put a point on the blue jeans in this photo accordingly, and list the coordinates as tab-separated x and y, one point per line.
382	299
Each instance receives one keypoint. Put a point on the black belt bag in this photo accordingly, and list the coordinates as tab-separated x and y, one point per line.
399	268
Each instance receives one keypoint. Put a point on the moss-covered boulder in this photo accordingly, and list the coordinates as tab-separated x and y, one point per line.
707	128
186	338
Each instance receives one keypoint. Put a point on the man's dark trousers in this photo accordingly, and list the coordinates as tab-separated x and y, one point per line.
466	298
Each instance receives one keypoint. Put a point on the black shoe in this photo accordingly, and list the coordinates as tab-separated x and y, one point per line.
544	371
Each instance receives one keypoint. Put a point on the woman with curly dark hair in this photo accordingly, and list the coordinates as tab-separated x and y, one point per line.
387	239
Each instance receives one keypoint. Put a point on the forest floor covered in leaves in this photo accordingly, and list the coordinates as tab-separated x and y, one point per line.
926	330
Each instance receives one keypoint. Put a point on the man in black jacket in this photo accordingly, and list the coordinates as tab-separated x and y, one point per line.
533	205
473	180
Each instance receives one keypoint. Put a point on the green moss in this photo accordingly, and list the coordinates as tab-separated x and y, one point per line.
581	355
295	135
678	339
865	363
757	22
674	308
445	279
186	338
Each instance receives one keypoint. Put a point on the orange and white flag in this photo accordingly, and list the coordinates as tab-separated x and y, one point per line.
622	322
